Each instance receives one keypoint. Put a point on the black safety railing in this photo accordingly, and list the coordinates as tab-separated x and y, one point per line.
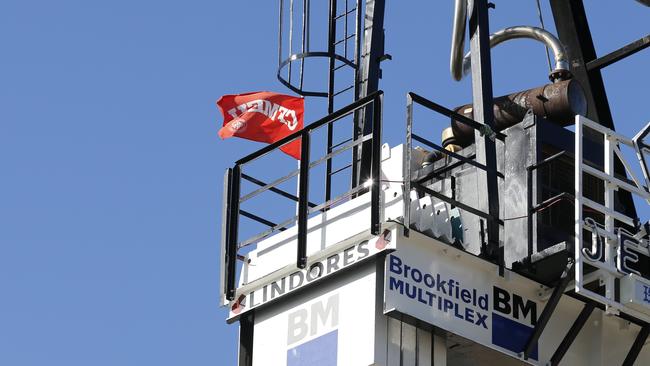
416	182
533	206
233	212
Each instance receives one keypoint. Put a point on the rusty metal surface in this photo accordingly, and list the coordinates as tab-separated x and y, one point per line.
558	102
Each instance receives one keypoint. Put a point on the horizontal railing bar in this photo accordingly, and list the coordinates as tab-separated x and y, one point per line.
337	199
259	219
323	121
269	186
266	233
548	160
340	150
606	211
311	165
553	199
452	154
441	170
606	131
621	184
452	201
451	114
273	189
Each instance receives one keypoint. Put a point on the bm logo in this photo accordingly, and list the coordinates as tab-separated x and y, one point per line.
313	320
514	305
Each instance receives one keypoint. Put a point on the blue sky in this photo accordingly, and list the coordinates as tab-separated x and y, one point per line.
111	169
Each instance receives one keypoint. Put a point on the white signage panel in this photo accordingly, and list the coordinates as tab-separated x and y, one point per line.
635	293
332	324
317	269
460	293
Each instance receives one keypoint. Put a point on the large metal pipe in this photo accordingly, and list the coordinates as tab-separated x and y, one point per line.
458	39
562	68
459	67
558	102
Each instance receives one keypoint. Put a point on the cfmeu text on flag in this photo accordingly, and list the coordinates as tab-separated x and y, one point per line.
263	117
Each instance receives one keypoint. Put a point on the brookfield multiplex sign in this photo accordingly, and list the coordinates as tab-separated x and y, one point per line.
435	286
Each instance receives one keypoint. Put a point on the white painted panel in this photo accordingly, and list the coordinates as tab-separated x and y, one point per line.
335	319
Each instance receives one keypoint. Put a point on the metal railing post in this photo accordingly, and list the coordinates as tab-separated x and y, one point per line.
406	162
303	200
233	226
375	204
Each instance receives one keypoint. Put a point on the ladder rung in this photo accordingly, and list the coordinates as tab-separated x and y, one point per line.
344	90
345	14
345	39
343	65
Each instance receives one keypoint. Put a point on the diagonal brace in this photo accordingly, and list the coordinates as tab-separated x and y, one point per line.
558	291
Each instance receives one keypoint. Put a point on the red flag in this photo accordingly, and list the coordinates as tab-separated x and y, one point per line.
264	117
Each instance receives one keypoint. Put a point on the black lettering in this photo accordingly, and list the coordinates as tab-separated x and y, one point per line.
529	307
501	300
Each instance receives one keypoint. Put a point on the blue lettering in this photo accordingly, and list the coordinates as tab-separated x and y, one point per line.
429	281
411	295
395	265
469	315
440	285
456	313
396	284
646	293
481	320
448	305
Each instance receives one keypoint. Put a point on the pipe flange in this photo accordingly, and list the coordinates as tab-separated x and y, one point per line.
559	75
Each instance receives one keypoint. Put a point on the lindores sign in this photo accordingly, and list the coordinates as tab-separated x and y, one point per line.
352	254
434	283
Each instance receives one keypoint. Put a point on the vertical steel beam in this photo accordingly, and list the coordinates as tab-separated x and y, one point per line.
368	75
246	329
483	113
331	49
225	222
233	234
303	200
375	204
406	162
573	30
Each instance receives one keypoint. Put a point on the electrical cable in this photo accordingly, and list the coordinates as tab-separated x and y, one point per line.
541	21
